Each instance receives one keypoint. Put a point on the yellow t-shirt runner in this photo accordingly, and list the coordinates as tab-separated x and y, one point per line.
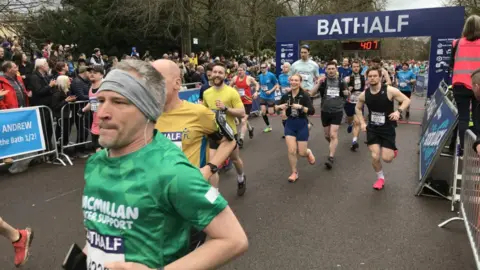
230	98
188	127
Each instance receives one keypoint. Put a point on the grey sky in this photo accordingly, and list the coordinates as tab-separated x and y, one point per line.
410	4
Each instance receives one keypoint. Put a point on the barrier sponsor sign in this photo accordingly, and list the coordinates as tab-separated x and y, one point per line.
431	108
436	135
190	95
420	85
20	132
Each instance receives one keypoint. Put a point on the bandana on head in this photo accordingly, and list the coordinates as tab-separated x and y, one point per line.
134	90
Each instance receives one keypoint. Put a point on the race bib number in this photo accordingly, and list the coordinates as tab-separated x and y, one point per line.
378	119
403	84
94	104
264	88
103	249
241	91
355	97
304	77
175	137
357	83
278	95
333	92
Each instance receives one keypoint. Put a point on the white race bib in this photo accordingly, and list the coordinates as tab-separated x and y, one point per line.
378	119
102	249
175	137
93	104
241	91
403	84
357	83
278	95
354	97
333	92
264	88
304	77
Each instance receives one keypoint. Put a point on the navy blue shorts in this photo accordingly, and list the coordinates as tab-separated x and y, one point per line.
298	128
350	109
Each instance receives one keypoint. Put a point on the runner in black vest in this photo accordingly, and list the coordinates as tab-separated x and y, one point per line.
382	120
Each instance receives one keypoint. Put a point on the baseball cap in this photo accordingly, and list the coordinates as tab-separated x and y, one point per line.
96	68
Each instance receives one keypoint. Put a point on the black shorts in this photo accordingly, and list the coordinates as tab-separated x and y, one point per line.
248	109
407	93
385	137
350	109
197	238
214	145
331	118
266	102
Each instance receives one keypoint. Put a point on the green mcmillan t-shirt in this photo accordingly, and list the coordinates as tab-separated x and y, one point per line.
141	207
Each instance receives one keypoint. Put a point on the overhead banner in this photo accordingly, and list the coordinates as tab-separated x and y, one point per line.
441	24
21	132
435	137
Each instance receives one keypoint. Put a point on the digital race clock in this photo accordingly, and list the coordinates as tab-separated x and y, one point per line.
368	45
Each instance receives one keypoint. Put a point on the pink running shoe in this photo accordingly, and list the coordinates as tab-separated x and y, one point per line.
379	184
395	153
22	247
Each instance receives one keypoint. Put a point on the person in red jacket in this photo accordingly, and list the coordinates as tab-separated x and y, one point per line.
16	95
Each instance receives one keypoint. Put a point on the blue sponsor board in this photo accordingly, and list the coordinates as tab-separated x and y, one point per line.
435	137
287	52
190	95
20	132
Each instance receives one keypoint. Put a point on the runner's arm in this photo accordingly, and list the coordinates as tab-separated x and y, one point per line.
307	105
227	240
232	82
387	77
399	97
237	109
359	108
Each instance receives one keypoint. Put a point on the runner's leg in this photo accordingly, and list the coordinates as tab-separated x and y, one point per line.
8	231
21	240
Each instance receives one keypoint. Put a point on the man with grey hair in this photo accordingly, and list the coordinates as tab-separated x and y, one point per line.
141	195
476	92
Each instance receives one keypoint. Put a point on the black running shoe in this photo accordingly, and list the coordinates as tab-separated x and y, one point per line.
354	147
250	133
329	163
242	187
407	115
240	143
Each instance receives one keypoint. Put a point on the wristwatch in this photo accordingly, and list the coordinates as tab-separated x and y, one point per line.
400	110
225	109
213	168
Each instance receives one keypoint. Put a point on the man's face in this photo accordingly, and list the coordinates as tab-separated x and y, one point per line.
374	77
304	53
121	122
218	75
65	68
345	62
45	67
2	52
12	72
356	67
286	69
476	87
263	68
95	76
331	71
209	75
405	67
375	65
241	72
98	53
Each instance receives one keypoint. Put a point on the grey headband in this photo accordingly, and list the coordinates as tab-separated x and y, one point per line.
134	90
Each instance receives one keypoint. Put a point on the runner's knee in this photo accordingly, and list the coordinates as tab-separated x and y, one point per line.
387	157
375	156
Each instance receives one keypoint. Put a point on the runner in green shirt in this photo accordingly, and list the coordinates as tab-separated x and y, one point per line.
141	195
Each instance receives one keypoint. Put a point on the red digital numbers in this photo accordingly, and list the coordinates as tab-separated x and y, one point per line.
369	45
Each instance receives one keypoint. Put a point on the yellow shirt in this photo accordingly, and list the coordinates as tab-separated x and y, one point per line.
188	127
230	98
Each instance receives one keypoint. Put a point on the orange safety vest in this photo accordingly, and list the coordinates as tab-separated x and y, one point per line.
467	60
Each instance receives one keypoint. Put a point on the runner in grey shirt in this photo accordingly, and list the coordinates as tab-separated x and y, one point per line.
306	68
333	92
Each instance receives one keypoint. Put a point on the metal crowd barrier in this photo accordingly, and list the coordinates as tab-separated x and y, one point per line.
470	196
46	125
71	143
194	84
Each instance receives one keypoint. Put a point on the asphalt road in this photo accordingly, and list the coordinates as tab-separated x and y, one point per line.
327	220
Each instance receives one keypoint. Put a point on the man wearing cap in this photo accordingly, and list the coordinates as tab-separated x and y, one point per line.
141	195
96	59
